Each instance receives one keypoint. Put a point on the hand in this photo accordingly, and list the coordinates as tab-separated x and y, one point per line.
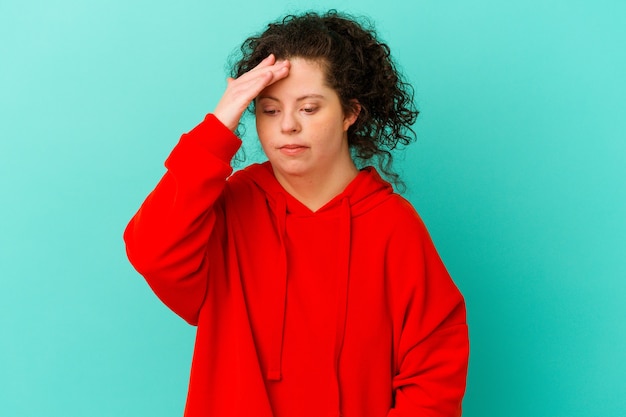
241	91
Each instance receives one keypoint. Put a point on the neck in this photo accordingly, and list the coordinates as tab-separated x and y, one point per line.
315	190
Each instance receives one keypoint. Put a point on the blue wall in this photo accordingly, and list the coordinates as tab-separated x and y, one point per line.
519	173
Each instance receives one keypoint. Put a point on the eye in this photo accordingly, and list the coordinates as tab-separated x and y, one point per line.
309	109
270	112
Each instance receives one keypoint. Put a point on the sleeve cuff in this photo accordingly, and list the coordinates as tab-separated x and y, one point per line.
213	136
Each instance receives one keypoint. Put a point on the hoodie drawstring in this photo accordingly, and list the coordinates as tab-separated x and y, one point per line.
345	230
274	371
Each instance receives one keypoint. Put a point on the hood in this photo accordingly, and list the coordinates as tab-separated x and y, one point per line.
366	191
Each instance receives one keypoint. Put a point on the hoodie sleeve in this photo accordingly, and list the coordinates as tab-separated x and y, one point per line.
167	239
431	345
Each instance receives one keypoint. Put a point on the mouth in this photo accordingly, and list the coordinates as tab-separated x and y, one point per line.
292	149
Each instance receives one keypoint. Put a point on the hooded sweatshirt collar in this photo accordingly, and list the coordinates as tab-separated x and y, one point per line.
365	191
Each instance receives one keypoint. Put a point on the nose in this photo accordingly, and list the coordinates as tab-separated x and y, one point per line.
289	123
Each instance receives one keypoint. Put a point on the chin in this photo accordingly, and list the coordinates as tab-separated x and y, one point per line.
291	169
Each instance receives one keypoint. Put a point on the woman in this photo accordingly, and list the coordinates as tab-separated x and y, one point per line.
315	288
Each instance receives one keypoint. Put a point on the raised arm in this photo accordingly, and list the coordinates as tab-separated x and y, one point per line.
169	238
166	241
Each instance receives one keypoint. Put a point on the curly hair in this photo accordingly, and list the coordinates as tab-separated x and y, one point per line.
357	66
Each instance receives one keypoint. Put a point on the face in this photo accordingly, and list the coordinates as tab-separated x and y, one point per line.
302	126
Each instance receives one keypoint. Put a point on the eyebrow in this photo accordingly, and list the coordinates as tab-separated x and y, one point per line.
301	98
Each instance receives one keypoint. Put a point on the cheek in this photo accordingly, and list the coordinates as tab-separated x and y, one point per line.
261	127
332	139
264	134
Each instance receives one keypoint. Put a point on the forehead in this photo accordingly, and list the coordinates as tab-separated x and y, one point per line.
306	78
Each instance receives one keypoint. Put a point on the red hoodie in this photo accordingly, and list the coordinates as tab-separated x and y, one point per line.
345	311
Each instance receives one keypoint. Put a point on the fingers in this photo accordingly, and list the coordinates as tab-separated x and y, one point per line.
242	90
249	85
268	60
270	75
268	71
280	71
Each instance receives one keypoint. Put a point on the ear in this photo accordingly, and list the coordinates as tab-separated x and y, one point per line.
351	117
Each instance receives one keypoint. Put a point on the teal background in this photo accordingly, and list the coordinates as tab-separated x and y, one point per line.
519	172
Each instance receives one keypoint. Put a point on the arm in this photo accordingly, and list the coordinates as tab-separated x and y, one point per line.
432	347
178	228
166	240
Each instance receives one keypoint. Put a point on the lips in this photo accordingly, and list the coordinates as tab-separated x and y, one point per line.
292	149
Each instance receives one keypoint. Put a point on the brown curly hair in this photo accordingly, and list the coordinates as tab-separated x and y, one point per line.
357	66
